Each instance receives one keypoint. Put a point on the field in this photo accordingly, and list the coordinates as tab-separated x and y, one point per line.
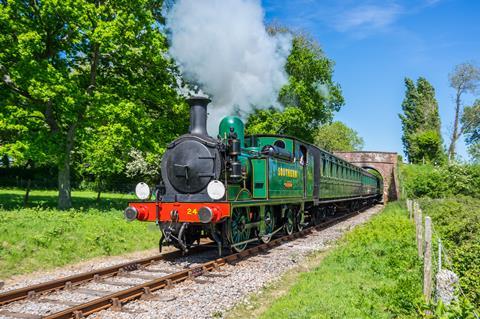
41	237
373	273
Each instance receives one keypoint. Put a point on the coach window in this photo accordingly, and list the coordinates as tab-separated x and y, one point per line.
279	143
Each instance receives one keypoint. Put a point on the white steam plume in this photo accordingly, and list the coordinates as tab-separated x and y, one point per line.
222	46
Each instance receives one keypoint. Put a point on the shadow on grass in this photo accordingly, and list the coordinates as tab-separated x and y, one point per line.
82	201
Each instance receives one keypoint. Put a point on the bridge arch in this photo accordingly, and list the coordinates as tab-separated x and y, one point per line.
384	163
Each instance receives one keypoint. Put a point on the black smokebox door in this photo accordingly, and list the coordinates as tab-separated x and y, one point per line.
191	166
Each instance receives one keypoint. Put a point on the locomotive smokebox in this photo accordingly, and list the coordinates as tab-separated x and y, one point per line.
198	114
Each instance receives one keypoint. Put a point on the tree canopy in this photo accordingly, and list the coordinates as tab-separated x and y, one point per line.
76	78
471	128
422	139
338	137
309	99
465	78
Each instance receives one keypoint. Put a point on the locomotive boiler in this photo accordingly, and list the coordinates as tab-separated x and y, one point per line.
237	189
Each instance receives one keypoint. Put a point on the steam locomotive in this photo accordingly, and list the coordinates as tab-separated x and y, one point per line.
238	189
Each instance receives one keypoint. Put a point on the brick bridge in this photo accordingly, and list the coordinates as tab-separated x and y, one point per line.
383	162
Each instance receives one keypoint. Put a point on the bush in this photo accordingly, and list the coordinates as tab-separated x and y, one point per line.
457	222
440	181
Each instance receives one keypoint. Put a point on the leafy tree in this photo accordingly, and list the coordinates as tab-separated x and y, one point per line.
471	128
144	167
338	137
465	78
21	134
91	76
309	99
426	146
422	139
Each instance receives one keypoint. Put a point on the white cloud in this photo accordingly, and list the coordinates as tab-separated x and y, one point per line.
367	18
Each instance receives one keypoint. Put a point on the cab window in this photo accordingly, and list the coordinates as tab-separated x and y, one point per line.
279	143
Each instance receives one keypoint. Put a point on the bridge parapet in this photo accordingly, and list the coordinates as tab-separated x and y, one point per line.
383	162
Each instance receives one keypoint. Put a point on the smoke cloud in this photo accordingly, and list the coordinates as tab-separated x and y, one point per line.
222	46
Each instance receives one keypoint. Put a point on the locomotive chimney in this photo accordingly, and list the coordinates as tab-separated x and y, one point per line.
198	114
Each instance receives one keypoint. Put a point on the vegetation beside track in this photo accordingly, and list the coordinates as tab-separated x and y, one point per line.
374	272
457	222
43	237
431	181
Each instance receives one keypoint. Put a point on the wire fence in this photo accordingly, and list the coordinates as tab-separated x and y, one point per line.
435	261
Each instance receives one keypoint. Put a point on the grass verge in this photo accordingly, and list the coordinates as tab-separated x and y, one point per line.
41	238
372	273
12	199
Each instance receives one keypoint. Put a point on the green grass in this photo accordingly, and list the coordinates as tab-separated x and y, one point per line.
43	237
12	199
373	273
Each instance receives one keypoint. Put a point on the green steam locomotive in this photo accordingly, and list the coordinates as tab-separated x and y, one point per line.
238	189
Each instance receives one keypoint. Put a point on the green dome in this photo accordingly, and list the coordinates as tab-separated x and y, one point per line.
235	123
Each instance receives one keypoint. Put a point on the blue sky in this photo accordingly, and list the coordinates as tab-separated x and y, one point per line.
376	44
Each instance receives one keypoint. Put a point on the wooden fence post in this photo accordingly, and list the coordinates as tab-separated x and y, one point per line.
427	260
410	208
439	255
419	232
415	221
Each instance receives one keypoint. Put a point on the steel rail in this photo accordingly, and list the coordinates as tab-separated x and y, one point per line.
58	284
145	289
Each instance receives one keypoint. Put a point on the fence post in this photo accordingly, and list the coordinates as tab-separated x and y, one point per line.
427	260
439	255
415	221
414	207
419	232
410	208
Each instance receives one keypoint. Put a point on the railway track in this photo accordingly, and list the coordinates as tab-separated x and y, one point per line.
152	279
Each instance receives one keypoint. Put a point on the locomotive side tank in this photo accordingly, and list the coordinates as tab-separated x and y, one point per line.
238	189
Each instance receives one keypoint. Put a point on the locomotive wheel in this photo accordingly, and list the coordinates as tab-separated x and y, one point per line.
300	220
269	225
238	231
289	221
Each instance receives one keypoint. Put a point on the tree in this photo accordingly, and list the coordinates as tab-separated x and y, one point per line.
338	137
310	97
471	128
84	70
144	167
21	134
422	139
465	78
